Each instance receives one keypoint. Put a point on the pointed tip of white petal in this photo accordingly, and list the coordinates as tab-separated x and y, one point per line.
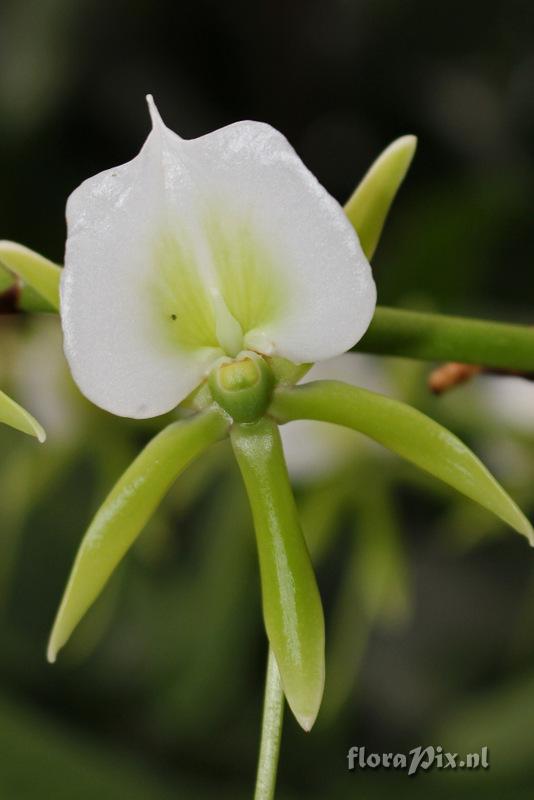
157	121
155	116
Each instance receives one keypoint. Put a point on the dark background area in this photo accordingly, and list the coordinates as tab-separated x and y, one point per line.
160	696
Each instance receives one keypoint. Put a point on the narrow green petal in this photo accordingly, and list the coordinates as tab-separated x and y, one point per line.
368	206
35	270
126	510
407	432
17	417
291	603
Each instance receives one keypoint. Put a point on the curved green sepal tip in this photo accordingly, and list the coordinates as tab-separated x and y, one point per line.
35	270
17	417
292	607
368	206
126	510
407	432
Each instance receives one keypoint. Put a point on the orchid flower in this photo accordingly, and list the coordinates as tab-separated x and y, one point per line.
208	274
202	249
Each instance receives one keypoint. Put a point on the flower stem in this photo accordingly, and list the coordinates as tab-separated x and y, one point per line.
271	732
436	337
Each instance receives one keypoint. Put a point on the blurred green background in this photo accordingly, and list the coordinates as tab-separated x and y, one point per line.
429	601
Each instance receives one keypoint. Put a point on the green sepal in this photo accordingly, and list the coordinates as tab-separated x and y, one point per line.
17	417
285	372
369	205
292	607
40	274
405	431
126	510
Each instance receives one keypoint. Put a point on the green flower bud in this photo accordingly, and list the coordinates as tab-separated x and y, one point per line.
243	386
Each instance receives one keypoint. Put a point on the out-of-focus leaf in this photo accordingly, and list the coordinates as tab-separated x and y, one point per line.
349	631
43	759
380	562
35	270
369	205
126	510
407	432
374	588
319	512
291	603
17	417
15	491
222	596
499	718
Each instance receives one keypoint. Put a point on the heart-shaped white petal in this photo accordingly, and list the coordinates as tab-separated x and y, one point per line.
201	248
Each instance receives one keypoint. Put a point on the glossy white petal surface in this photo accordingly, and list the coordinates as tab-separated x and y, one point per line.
199	248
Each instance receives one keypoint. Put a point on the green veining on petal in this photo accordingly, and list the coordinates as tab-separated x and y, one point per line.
182	300
251	278
229	331
214	284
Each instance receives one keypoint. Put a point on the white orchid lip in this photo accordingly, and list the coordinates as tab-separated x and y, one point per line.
203	248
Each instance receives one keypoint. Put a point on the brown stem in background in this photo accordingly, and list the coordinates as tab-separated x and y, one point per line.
10	298
453	374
